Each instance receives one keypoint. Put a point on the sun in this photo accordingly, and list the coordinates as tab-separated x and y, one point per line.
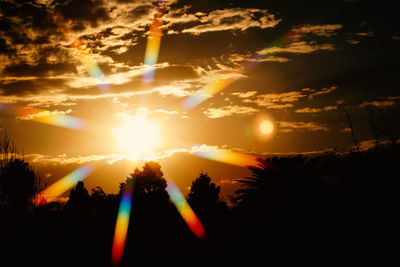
137	136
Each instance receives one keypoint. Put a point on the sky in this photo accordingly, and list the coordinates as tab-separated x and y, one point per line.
73	82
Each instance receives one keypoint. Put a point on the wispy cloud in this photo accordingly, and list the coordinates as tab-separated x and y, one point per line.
300	47
315	110
286	126
233	19
214	113
326	30
245	94
323	91
379	104
276	101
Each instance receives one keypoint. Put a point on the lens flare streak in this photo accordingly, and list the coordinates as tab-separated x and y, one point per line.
65	183
83	54
43	116
227	156
153	44
218	85
185	210
122	225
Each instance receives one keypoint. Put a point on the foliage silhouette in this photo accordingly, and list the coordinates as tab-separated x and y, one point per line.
204	200
78	204
18	182
297	206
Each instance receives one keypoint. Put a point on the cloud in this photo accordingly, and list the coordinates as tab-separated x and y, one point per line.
276	101
245	94
286	126
370	143
315	110
300	47
352	41
366	34
379	104
323	91
237	58
233	19
326	30
214	113
345	130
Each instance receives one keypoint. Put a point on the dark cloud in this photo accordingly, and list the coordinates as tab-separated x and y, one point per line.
41	69
141	11
27	87
26	15
6	49
89	11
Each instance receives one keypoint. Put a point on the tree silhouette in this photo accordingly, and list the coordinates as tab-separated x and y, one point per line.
149	183
150	203
275	176
18	183
203	192
78	204
204	199
279	191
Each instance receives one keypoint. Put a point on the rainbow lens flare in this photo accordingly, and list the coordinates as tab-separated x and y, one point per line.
218	85
185	210
65	183
153	44
43	116
226	156
206	92
83	54
122	224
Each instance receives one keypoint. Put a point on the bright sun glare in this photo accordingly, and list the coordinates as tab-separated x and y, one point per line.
137	136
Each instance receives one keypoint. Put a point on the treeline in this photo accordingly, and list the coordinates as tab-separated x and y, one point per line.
289	209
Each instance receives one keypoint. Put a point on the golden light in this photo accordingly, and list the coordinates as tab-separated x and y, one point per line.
137	136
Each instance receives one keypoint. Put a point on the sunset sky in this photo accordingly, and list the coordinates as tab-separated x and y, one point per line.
289	63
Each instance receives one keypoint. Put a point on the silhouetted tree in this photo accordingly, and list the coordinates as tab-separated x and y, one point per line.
78	204
18	183
274	177
204	199
149	183
203	192
151	204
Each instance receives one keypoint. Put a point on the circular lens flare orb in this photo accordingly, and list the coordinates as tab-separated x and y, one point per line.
264	127
137	136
